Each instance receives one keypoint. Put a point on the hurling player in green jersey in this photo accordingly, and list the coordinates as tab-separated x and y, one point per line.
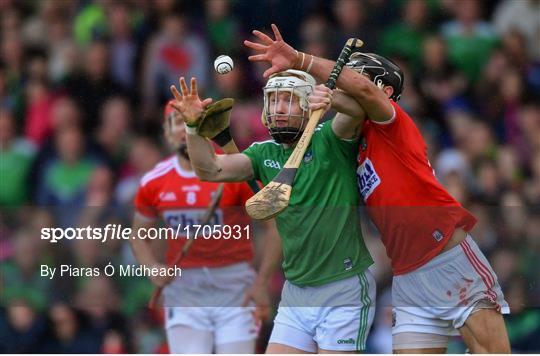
328	300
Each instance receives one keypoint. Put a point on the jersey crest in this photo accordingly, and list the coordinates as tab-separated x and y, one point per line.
308	156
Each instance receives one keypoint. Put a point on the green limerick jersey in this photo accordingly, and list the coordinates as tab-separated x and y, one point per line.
320	229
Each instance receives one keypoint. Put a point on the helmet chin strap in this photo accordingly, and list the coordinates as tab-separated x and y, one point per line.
285	135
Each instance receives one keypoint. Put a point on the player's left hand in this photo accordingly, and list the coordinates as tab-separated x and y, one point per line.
188	103
259	294
276	52
320	98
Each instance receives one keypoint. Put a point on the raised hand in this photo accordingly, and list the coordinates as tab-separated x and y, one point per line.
188	103
276	52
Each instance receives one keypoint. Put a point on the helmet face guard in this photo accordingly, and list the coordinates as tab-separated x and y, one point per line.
381	71
296	83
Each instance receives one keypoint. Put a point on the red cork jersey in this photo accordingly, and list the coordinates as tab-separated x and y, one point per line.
179	198
415	215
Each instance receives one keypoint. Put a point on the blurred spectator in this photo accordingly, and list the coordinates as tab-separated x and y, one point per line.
173	52
93	85
49	29
532	186
123	44
509	168
488	182
352	21
489	102
21	275
523	324
438	80
221	27
522	16
113	134
23	329
15	158
100	300
143	156
514	217
39	105
90	23
470	40
12	54
315	34
69	334
523	128
514	44
405	39
64	178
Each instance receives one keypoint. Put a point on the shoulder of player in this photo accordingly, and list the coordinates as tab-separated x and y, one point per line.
320	126
399	116
158	171
264	145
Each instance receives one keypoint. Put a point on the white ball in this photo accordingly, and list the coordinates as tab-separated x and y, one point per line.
223	64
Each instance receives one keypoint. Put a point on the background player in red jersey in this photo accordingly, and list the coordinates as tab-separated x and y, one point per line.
203	311
442	281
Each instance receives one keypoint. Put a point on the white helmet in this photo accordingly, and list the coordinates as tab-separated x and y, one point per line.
298	83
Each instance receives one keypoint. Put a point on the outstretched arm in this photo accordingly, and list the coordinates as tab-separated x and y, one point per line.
207	165
282	56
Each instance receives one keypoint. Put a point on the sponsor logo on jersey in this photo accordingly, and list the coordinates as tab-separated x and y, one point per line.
437	235
346	341
167	196
347	264
190	217
272	164
308	156
368	179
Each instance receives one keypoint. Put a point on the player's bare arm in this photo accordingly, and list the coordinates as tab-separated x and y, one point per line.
143	250
282	56
207	165
350	117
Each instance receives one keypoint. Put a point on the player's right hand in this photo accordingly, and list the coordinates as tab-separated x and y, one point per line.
320	98
259	294
188	103
276	52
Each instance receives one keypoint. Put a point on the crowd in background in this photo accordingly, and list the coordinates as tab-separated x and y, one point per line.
82	87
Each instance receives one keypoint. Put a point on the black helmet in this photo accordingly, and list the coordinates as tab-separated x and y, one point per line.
380	70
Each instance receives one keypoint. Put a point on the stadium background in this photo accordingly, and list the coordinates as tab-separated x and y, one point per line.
82	84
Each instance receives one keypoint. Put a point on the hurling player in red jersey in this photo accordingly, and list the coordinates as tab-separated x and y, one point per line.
443	285
203	306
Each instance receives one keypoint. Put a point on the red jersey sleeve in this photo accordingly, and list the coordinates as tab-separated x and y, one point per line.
144	203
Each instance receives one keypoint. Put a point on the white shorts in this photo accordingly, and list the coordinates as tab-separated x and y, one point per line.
336	316
438	297
209	299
